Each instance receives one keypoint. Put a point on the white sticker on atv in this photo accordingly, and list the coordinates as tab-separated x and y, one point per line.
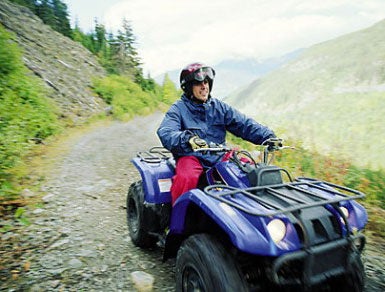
164	185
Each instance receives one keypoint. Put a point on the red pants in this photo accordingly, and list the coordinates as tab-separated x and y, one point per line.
187	172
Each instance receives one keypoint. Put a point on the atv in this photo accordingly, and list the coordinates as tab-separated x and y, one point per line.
249	226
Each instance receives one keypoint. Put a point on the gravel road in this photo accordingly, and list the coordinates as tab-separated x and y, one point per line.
79	241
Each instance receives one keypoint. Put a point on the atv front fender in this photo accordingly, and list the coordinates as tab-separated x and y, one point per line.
247	233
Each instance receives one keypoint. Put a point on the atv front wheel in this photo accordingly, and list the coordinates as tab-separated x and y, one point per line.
203	264
354	280
136	220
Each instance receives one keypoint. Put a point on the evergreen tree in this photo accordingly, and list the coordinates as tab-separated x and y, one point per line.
148	84
62	24
27	3
99	38
53	13
124	55
116	53
45	12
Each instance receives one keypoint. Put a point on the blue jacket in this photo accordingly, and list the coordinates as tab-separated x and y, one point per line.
209	121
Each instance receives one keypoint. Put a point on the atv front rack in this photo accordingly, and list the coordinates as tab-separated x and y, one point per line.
298	195
299	266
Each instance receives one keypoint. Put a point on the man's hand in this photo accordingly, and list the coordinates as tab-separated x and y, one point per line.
197	143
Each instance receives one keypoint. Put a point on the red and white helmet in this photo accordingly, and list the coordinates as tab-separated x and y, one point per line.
195	72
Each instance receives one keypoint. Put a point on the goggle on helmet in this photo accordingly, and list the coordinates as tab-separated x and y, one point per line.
196	72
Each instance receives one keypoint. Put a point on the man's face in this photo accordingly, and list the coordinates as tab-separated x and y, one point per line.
201	90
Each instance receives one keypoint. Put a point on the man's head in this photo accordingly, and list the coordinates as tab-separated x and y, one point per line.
197	79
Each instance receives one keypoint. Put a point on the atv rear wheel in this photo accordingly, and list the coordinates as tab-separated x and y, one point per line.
136	217
203	264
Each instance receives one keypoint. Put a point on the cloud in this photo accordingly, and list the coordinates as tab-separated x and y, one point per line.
173	33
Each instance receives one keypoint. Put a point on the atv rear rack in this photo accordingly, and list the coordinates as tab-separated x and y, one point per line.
293	193
155	155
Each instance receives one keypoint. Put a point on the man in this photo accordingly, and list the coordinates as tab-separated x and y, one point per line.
196	120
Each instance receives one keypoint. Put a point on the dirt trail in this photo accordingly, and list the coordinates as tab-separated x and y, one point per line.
79	241
80	234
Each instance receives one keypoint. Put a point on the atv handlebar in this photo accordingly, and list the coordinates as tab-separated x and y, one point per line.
270	146
273	144
214	148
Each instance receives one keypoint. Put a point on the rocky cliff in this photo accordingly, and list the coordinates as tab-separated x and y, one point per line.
66	67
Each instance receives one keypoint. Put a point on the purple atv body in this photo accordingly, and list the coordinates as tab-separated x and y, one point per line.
289	233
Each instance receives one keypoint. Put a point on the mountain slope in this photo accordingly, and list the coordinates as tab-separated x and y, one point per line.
332	97
66	67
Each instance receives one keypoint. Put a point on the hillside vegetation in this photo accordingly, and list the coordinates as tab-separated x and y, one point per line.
332	98
50	83
28	117
65	67
26	114
127	99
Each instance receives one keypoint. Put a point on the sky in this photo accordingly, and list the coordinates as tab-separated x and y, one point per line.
173	33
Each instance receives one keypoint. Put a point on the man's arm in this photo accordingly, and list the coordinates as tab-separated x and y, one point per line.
247	128
171	134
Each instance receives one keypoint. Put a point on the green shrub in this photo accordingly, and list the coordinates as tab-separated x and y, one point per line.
26	114
369	181
126	97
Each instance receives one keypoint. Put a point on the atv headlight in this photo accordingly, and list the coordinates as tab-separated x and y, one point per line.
277	230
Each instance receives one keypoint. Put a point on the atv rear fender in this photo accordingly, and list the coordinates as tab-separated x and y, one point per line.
156	178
